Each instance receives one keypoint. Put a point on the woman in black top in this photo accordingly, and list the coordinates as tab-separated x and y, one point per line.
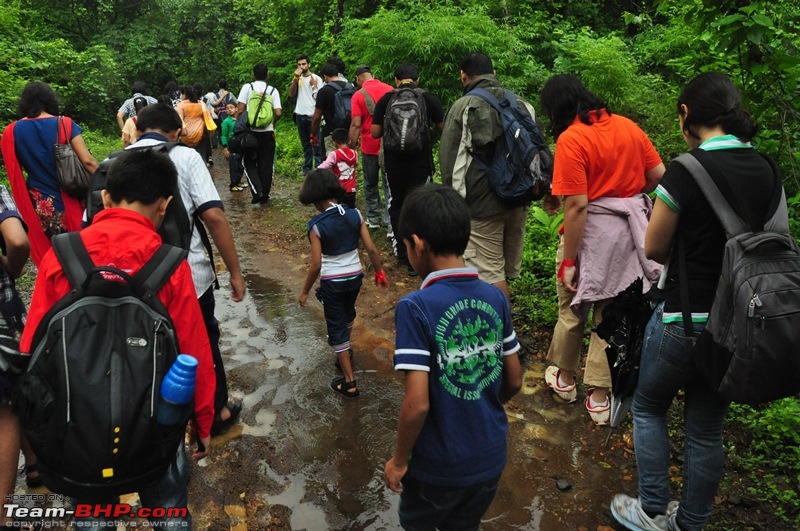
719	132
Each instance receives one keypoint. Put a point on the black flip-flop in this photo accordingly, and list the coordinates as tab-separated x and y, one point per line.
343	388
220	426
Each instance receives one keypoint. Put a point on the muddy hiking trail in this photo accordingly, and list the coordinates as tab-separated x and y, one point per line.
304	458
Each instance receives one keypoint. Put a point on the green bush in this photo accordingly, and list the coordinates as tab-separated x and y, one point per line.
534	291
774	447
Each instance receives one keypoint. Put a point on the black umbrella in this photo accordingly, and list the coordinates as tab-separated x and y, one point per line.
623	324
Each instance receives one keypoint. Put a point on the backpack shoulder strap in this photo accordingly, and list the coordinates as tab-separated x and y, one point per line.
158	270
369	101
779	220
486	96
73	257
731	222
336	86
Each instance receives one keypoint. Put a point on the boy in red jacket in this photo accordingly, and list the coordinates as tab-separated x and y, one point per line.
343	162
139	188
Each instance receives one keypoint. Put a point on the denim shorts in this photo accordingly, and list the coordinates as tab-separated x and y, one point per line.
426	507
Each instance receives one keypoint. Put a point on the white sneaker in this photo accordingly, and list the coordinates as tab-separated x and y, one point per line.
600	414
568	393
372	224
628	512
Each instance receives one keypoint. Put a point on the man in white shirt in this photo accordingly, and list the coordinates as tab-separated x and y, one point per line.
160	123
304	87
259	163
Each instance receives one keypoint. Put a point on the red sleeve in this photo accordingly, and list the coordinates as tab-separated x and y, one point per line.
356	102
569	168
51	285
180	299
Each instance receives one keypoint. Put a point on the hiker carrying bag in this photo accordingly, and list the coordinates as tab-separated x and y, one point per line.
88	401
259	108
749	350
522	168
243	139
177	227
73	178
405	123
342	105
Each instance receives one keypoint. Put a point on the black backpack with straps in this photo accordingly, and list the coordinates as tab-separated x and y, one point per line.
177	227
749	350
88	401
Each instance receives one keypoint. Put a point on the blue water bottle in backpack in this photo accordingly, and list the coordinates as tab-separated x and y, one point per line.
177	391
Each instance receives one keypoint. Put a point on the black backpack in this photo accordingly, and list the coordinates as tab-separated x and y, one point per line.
405	123
176	229
88	402
342	105
522	168
749	350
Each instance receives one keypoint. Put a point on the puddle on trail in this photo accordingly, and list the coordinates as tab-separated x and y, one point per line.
329	452
332	451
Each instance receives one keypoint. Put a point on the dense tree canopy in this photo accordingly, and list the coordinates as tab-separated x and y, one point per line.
637	55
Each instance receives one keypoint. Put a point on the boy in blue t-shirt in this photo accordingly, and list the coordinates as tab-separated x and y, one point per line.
458	349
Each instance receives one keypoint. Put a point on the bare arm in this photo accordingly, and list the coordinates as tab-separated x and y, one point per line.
660	232
652	178
120	120
413	413
86	158
294	86
276	113
241	106
575	210
376	131
314	267
18	248
372	251
315	121
220	230
512	378
355	131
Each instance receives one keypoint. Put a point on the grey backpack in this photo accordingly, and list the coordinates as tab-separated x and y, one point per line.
750	348
405	124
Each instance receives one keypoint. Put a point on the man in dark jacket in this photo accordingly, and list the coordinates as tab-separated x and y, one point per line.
498	228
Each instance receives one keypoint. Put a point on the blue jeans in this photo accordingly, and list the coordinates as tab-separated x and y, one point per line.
171	491
303	123
426	507
667	367
372	171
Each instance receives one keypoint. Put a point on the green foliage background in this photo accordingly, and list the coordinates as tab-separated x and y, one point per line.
637	55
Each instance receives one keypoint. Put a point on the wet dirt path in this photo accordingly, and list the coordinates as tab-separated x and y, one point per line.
304	458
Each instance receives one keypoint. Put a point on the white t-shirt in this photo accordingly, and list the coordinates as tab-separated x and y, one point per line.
307	95
198	194
261	86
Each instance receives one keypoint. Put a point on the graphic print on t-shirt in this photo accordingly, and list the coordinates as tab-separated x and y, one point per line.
469	342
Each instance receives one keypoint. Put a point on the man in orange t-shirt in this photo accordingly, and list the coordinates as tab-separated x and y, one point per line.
598	154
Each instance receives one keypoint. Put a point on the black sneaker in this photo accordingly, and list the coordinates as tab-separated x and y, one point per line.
258	198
